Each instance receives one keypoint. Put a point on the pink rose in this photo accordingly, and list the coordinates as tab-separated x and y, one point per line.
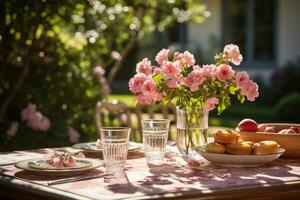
135	83
241	78
250	90
225	72
171	70
157	96
116	55
143	99
11	132
162	56
98	72
188	58
157	70
234	53
74	136
210	71
144	66
194	80
148	87
172	83
210	103
177	56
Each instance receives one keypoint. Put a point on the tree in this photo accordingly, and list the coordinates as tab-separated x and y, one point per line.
49	48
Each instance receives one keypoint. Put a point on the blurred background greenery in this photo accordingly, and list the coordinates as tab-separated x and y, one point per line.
49	48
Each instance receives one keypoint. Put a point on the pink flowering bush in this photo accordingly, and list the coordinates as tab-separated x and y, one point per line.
98	72
35	119
178	78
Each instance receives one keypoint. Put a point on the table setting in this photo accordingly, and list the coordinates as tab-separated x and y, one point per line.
229	163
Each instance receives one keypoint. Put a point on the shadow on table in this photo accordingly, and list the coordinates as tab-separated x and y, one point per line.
208	176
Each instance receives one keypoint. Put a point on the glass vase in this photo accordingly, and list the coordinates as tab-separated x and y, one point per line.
192	125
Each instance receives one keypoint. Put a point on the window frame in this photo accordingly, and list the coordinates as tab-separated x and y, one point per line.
249	46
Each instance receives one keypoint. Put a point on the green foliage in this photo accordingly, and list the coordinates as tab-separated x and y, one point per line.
48	50
288	108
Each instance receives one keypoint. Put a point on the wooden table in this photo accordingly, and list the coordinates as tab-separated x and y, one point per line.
175	180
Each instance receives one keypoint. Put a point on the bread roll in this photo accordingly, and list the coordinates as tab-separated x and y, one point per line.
226	137
243	148
265	147
215	148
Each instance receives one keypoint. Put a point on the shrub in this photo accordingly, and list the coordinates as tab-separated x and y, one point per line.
288	108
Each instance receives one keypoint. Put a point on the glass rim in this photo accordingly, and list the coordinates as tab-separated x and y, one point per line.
156	120
114	128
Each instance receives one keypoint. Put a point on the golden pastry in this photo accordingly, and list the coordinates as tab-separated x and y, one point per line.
226	137
215	148
265	147
242	148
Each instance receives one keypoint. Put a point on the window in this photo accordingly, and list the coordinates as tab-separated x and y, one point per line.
251	25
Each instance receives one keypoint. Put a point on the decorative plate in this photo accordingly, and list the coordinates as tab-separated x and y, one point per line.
91	146
85	165
238	160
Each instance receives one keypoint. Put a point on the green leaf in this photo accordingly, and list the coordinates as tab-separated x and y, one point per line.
232	89
241	98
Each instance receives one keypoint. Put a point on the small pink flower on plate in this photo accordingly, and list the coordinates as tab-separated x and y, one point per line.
98	144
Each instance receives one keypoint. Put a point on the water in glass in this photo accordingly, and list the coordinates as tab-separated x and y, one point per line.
155	135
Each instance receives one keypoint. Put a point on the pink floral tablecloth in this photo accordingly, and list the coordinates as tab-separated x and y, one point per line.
174	177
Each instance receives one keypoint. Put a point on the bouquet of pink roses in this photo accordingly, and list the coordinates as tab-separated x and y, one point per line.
179	78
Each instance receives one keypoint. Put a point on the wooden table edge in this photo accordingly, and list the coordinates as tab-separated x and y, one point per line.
32	190
275	191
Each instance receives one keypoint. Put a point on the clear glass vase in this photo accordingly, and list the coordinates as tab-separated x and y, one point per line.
192	125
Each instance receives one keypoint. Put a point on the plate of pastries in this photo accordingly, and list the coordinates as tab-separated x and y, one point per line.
229	149
287	135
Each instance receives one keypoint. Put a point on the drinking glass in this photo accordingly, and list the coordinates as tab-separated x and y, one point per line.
155	135
115	147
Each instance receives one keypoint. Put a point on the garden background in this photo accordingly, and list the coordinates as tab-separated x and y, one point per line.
52	54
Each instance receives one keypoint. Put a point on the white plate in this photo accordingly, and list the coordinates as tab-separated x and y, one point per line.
57	172
91	146
238	160
42	164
